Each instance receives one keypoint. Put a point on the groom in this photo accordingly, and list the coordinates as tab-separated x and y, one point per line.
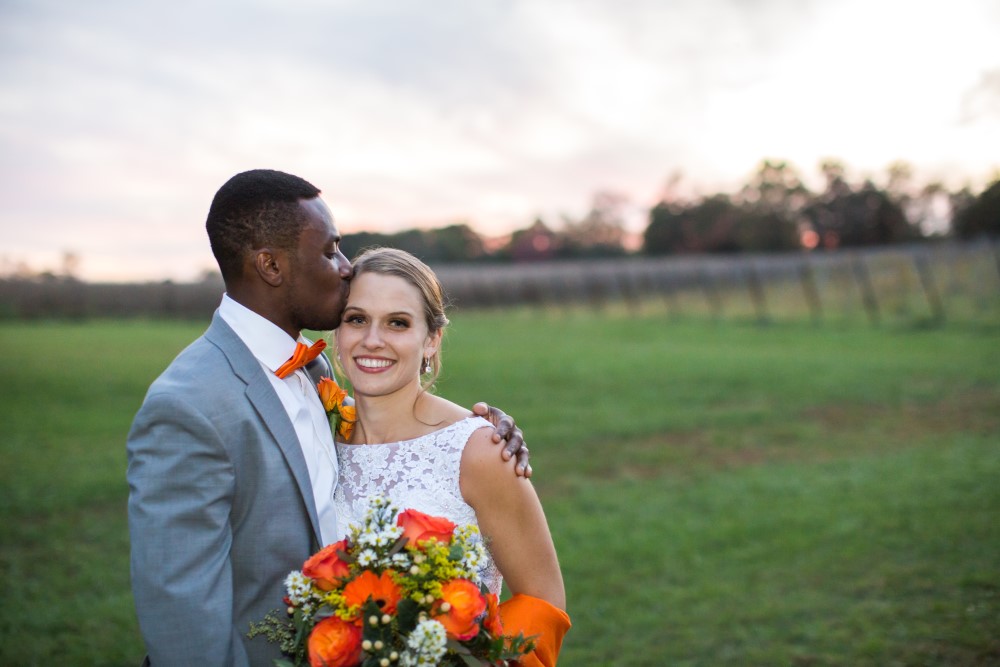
231	468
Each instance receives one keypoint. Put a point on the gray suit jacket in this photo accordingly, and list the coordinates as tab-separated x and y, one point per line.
220	505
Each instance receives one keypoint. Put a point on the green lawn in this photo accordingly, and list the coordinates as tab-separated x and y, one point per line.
720	493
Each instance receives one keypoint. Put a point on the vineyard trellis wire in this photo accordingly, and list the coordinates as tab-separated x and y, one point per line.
927	282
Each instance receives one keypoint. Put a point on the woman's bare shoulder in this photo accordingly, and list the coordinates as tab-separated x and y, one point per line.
440	411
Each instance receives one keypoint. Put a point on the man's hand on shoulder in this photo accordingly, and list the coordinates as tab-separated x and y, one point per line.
506	431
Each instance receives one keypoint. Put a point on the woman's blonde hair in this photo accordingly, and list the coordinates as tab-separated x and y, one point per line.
399	263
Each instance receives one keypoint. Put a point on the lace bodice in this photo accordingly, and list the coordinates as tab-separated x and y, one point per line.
422	474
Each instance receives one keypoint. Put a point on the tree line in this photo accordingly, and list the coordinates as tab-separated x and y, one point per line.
774	211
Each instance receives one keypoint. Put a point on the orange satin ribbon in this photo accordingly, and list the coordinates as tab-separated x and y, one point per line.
534	616
303	355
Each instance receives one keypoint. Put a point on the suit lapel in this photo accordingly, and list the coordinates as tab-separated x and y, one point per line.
261	395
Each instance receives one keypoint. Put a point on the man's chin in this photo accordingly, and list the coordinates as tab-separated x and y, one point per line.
318	325
326	323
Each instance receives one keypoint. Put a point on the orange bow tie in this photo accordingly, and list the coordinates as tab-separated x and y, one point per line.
303	355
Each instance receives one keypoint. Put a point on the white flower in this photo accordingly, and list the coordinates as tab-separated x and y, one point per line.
426	645
298	587
473	553
367	557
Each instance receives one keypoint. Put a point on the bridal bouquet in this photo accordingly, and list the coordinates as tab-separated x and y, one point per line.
403	589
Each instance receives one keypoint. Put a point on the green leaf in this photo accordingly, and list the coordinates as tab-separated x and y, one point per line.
457	647
407	612
398	545
325	611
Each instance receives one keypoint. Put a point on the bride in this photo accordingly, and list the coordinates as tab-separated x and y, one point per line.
424	452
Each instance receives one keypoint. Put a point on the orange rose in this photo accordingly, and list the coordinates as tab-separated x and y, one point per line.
459	609
382	589
492	623
418	527
325	566
335	643
348	416
330	393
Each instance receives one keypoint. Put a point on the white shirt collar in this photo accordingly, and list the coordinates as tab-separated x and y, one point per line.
265	339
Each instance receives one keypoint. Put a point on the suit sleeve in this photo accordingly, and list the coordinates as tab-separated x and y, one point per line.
534	616
181	484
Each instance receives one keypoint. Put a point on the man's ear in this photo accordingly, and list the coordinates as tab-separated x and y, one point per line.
269	264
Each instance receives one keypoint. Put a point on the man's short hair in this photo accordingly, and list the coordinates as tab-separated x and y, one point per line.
255	209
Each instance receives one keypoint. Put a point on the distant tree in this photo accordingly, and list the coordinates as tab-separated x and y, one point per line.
926	207
847	216
70	265
354	242
978	216
664	235
415	241
678	228
930	210
535	243
210	277
455	243
836	180
601	233
771	205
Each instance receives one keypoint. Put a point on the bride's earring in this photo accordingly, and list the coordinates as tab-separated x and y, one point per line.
427	365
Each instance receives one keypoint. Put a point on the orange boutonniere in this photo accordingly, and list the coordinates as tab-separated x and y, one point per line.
342	417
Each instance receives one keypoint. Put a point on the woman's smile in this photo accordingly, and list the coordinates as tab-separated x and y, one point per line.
373	364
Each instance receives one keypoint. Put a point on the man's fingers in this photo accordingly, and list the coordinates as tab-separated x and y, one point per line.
506	432
505	427
502	422
515	443
523	468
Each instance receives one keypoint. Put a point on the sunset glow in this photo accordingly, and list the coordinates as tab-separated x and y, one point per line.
119	121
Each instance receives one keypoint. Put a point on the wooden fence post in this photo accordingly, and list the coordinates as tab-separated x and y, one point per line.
864	279
711	291
929	286
628	289
995	247
757	296
665	285
807	277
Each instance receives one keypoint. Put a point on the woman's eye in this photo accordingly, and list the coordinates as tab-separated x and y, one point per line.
399	324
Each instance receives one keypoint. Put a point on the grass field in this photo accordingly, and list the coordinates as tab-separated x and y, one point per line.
720	494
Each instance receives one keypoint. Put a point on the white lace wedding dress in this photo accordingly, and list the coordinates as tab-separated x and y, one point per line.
420	474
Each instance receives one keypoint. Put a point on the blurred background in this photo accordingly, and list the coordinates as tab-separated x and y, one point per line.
734	266
504	130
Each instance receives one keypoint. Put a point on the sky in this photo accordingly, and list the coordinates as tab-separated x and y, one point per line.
119	119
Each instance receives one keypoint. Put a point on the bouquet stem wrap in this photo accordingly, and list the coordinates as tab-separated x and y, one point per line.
534	616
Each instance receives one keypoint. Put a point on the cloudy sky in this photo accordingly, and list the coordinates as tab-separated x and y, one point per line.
120	119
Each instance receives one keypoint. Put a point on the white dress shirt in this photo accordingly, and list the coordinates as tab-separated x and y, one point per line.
273	347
